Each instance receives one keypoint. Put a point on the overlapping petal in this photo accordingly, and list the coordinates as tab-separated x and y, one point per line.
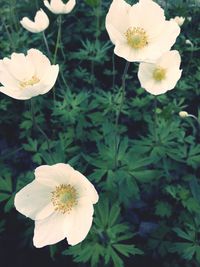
58	7
40	23
42	200
169	62
26	76
143	22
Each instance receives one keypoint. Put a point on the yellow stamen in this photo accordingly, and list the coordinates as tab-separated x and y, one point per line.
31	82
159	74
136	37
64	198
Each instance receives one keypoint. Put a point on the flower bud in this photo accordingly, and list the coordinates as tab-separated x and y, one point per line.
183	114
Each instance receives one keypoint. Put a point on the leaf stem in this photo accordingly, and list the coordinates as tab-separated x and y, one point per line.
38	127
117	140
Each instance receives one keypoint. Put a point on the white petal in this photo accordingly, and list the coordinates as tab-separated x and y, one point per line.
41	20
132	55
52	229
49	78
29	25
19	67
34	201
69	6
167	37
147	15
6	79
115	26
46	3
39	60
84	187
55	6
55	175
170	59
13	92
82	222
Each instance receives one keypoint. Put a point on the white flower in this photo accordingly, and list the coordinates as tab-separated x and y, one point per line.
179	20
26	76
58	7
140	32
60	200
40	23
157	78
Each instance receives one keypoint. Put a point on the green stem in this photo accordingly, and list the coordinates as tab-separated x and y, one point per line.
46	44
38	127
113	70
58	38
195	130
155	119
98	14
9	35
120	110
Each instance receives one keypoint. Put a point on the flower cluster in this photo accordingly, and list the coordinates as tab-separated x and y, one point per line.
144	35
41	20
61	199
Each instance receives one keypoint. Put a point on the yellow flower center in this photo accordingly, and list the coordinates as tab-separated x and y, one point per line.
64	198
26	83
159	74
136	37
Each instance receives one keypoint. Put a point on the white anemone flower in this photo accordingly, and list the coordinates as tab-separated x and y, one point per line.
157	78
26	76
58	7
179	20
140	32
40	23
60	200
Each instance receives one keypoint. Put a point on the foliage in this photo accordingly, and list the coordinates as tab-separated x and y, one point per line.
146	170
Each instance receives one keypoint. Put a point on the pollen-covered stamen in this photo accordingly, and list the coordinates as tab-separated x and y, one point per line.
159	74
136	37
26	83
64	198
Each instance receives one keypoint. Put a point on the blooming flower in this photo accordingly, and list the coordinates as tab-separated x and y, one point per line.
157	78
40	23
58	7
60	200
26	76
140	32
179	20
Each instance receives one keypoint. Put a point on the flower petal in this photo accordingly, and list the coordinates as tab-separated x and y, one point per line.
49	78
82	222
55	175
84	187
26	69
167	37
34	201
41	20
170	59
39	60
29	25
52	229
147	15
13	92
115	27
69	6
